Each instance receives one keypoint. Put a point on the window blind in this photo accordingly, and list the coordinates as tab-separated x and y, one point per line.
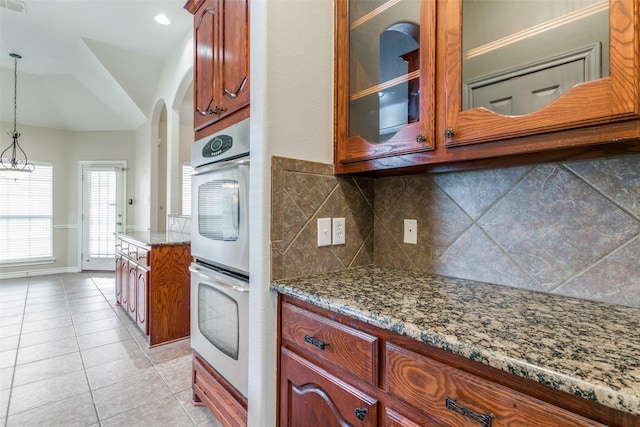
102	188
26	216
186	188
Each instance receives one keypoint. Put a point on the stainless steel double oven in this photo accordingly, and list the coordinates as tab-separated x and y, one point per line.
220	247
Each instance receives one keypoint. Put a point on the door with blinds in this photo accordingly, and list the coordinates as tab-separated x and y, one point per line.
103	187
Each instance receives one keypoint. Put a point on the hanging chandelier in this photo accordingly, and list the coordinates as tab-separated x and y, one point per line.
13	158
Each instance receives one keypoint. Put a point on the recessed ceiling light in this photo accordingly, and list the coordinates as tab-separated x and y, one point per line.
162	19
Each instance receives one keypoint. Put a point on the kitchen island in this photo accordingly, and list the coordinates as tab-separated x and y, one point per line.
584	348
152	283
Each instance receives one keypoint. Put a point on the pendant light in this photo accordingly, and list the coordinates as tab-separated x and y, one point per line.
13	159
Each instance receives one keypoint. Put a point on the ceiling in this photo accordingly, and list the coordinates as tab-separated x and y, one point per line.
87	65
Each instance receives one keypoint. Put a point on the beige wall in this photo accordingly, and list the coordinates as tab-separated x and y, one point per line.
64	149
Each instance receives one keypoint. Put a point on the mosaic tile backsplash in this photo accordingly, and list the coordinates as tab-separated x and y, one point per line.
563	228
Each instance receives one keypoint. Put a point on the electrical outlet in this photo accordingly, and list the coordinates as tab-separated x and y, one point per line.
339	231
411	231
324	231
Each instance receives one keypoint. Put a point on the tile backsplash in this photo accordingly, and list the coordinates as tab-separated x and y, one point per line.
562	228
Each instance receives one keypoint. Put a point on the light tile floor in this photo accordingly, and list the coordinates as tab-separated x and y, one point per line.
70	357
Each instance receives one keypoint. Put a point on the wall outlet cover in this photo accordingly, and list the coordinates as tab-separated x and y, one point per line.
339	231
411	231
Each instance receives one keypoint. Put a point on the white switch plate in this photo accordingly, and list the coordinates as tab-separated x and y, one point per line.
339	231
324	231
411	231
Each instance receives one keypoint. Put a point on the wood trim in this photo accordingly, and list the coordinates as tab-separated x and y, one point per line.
223	123
212	390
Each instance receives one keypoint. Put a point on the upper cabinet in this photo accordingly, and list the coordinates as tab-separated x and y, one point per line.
385	71
513	80
221	63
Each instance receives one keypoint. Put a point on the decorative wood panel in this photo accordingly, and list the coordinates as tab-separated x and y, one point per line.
169	293
210	389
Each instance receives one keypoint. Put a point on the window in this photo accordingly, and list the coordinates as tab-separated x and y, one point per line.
186	188
26	216
102	187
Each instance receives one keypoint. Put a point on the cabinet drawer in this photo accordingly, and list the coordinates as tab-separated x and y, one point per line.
143	256
330	341
460	398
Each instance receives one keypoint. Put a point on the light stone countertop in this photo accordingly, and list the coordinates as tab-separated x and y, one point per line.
585	348
157	238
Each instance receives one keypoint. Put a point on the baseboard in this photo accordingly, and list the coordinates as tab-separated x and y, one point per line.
42	272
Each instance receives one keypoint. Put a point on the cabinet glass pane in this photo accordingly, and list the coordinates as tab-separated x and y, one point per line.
519	56
384	67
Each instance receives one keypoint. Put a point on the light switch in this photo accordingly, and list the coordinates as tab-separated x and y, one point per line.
411	231
324	231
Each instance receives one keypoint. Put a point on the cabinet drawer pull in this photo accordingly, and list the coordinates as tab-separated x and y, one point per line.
449	133
321	345
361	412
484	420
421	139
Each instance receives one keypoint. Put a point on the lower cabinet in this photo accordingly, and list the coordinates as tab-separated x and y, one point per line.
153	287
383	379
317	398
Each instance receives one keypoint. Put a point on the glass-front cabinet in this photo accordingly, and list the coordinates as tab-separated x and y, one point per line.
426	85
528	67
385	80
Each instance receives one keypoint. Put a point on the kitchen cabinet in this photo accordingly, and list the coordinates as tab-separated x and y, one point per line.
336	370
385	75
221	63
152	287
510	100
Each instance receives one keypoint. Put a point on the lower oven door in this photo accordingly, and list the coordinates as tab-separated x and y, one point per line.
220	323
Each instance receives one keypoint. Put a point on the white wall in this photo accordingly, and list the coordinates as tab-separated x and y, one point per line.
291	116
64	149
174	81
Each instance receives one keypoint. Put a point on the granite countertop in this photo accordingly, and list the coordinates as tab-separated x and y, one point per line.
157	238
585	348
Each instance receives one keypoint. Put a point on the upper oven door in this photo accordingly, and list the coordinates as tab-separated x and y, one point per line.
220	214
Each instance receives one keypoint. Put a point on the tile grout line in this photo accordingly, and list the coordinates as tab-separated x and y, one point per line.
15	360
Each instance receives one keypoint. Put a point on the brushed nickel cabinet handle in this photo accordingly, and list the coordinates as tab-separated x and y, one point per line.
235	95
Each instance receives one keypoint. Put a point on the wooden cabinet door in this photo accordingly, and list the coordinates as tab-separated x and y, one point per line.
385	80
312	397
142	298
614	97
231	72
124	300
132	290
121	268
221	64
205	26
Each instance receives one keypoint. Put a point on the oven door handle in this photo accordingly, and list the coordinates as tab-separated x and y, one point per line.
212	280
221	165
